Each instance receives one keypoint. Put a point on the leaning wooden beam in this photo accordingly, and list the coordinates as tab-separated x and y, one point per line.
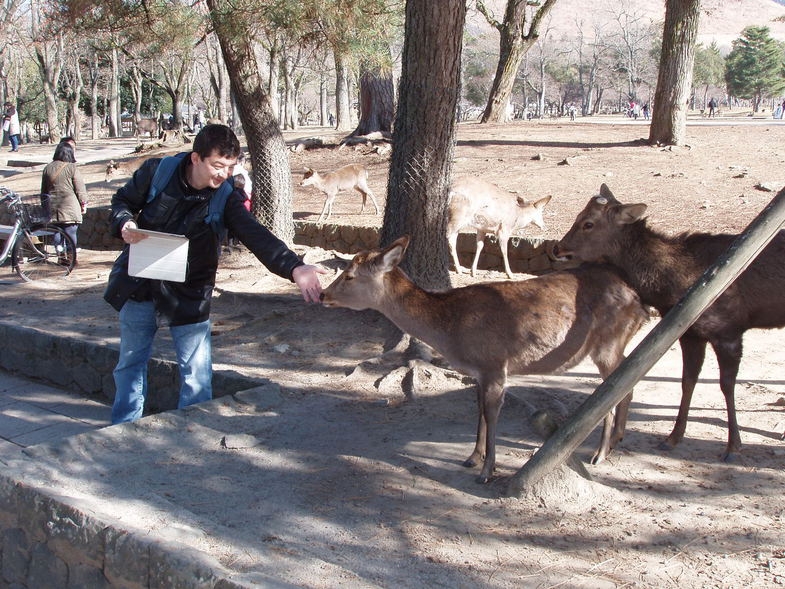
701	295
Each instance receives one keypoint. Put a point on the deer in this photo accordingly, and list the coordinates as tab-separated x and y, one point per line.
352	176
542	325
485	207
661	268
146	126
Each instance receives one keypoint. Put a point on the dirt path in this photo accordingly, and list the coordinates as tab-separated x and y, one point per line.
350	475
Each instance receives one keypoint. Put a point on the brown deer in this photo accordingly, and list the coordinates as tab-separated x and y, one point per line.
353	176
661	268
537	326
485	207
143	126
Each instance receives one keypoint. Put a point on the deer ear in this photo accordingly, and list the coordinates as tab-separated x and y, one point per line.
393	255
630	213
605	193
540	204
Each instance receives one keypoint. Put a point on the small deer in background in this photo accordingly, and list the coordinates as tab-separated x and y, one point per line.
352	176
488	209
537	326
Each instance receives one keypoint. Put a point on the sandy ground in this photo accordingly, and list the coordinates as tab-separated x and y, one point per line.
386	500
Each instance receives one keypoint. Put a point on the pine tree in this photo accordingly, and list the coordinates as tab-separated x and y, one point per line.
754	67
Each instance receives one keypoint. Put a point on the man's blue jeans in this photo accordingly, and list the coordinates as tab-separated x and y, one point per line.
137	331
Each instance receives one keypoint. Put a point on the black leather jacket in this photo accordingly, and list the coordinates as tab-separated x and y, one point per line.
180	209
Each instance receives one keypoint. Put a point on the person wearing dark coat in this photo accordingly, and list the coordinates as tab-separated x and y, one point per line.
145	304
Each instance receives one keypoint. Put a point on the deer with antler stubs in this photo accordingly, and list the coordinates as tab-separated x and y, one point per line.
489	330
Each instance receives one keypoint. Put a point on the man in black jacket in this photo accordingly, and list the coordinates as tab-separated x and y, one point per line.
145	304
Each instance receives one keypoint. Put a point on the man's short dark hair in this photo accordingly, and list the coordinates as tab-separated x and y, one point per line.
218	138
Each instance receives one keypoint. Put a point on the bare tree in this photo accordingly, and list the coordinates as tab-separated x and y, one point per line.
71	86
632	44
48	49
518	31
669	116
8	17
535	77
94	70
591	52
425	122
218	77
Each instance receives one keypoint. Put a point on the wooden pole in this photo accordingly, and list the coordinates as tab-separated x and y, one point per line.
700	295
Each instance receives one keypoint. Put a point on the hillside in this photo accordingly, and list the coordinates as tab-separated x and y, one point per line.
722	20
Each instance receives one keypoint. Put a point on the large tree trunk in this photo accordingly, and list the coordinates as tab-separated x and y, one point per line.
272	180
377	102
674	84
425	122
514	42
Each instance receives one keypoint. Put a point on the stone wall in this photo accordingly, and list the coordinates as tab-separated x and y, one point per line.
43	356
44	542
526	255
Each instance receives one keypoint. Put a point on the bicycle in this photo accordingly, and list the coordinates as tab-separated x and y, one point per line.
38	249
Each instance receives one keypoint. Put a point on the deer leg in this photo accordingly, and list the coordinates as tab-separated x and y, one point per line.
364	195
615	422
729	357
480	239
479	446
693	352
452	239
492	399
503	239
369	193
328	208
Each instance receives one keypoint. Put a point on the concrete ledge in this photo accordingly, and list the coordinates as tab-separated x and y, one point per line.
85	367
61	525
48	543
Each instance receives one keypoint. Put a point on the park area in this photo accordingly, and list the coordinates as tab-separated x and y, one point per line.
338	480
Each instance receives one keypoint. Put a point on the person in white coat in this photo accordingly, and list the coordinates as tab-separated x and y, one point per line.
11	126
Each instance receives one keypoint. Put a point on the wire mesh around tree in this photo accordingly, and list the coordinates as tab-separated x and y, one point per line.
36	209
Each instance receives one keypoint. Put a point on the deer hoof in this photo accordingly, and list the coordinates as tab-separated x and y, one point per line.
598	458
472	461
732	457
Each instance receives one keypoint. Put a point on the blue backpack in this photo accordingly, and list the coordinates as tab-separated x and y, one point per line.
215	209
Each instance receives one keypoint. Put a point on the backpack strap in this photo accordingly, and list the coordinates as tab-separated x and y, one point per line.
215	211
163	173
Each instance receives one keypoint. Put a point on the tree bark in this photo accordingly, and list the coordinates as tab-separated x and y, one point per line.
115	124
343	118
377	102
514	42
272	202
425	123
674	83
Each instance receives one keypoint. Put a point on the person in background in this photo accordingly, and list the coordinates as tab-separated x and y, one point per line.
12	126
63	183
242	180
184	307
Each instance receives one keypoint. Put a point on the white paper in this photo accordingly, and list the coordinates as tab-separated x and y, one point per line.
161	256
